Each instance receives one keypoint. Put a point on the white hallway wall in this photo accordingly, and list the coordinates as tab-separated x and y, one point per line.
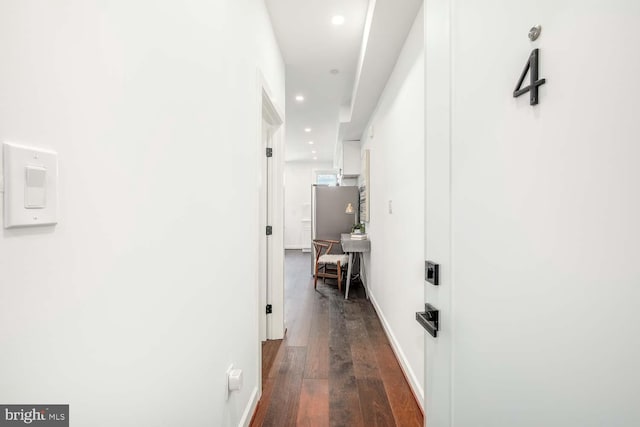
297	201
132	308
395	267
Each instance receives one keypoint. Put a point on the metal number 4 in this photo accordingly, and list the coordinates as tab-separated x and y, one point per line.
534	82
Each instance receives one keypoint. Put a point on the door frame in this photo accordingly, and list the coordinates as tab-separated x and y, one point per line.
271	326
438	223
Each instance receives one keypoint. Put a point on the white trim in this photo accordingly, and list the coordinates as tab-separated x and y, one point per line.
438	226
250	410
273	115
297	247
418	391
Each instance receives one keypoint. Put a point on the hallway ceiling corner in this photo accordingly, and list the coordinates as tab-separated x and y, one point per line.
325	63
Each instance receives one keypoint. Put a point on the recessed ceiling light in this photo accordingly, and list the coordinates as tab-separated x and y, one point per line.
310	142
315	158
307	130
299	98
337	20
313	151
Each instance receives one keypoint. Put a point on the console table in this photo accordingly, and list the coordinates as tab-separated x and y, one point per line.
358	247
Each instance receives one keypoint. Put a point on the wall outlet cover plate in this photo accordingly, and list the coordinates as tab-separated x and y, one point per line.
29	199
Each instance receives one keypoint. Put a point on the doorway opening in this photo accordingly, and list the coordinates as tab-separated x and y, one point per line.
271	223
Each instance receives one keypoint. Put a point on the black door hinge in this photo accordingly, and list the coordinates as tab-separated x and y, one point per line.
269	309
269	230
269	152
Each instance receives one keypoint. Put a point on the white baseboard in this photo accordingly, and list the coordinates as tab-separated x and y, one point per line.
250	409
418	391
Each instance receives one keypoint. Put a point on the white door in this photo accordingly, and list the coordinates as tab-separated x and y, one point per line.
264	239
540	290
271	271
269	282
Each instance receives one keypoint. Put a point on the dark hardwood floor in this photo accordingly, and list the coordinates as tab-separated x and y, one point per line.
335	366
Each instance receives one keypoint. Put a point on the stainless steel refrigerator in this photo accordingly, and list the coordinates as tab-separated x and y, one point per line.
328	217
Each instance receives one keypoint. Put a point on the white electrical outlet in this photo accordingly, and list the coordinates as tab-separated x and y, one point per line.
390	206
235	379
226	383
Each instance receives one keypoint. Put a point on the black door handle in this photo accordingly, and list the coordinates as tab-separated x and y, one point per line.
429	319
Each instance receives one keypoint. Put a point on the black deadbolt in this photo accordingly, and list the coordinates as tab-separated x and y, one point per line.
431	272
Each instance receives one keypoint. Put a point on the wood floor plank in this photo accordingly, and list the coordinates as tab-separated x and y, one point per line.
344	400
299	300
299	318
264	403
372	322
283	407
402	401
363	355
401	398
314	403
318	350
270	349
375	405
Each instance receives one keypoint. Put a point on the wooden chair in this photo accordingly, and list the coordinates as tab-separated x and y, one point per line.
327	258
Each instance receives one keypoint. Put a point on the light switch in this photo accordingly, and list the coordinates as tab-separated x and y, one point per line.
35	192
30	186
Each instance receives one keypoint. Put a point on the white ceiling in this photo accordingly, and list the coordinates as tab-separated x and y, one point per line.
312	46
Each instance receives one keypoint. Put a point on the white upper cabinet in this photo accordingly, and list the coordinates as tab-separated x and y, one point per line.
349	159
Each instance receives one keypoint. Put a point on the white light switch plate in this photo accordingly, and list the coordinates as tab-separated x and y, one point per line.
30	186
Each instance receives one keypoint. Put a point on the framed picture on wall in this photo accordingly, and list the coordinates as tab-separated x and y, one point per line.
363	203
365	188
